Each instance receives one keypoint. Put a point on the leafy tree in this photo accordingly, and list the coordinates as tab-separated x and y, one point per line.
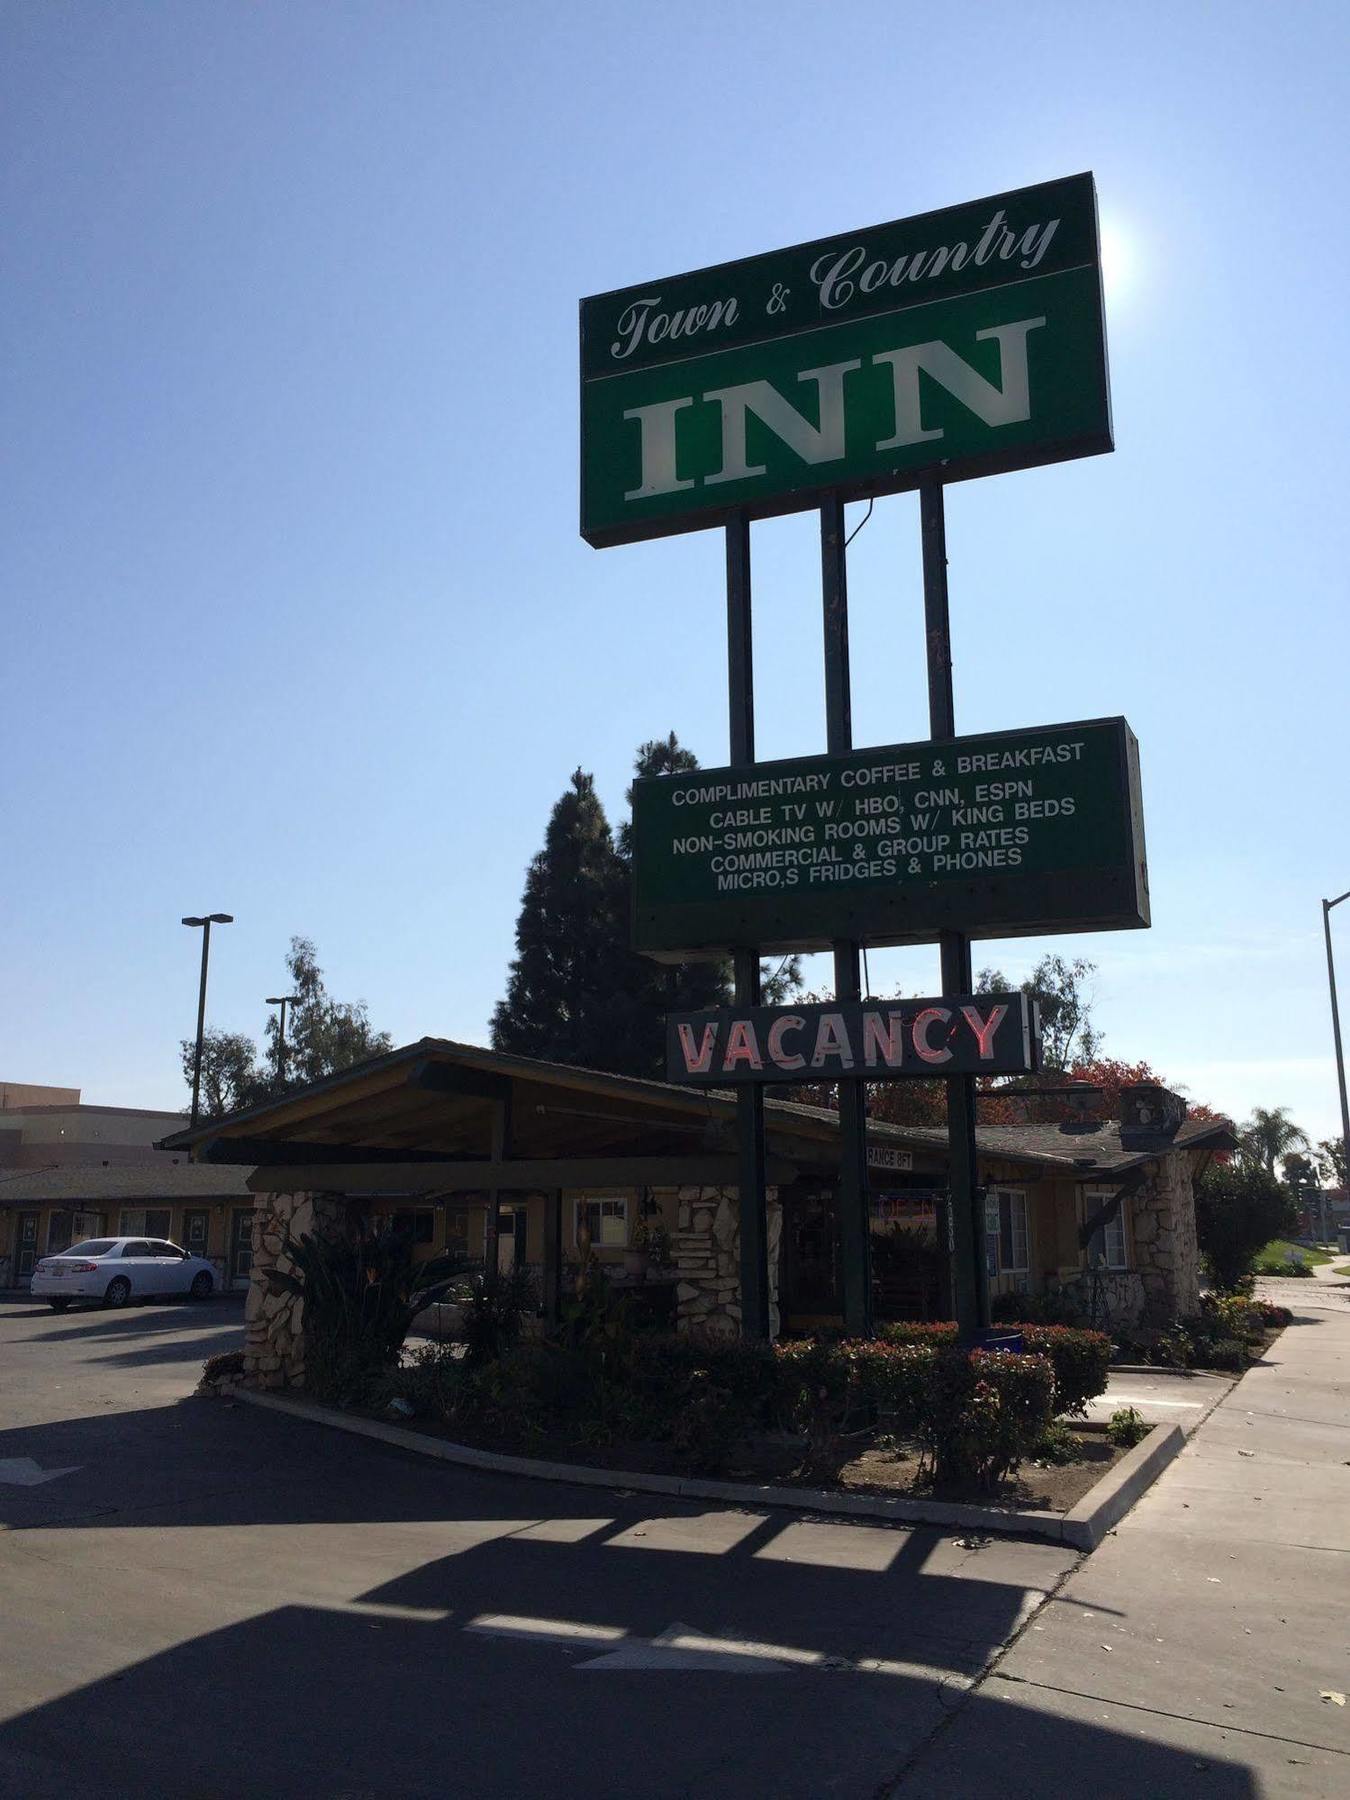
1331	1161
1062	987
1269	1136
1300	1171
323	1035
231	1077
1239	1208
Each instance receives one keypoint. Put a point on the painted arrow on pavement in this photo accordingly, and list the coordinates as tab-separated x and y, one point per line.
681	1647
22	1471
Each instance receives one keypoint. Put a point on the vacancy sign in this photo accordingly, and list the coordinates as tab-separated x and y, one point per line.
957	343
879	1040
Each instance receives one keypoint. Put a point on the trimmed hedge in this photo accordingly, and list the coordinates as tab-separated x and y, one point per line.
974	1414
1081	1359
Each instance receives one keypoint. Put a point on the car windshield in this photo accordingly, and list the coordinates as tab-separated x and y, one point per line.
91	1247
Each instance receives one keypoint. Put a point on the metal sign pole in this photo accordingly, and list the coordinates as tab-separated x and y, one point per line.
855	1244
970	1276
750	1157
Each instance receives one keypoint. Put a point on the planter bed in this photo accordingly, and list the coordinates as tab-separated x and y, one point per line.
861	1466
1083	1525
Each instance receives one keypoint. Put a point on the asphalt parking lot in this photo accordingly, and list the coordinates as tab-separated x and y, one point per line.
203	1599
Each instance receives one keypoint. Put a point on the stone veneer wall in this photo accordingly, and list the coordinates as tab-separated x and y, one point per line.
274	1340
1107	1298
707	1254
1166	1253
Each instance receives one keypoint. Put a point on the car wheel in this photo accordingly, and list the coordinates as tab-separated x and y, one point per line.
118	1291
58	1305
202	1286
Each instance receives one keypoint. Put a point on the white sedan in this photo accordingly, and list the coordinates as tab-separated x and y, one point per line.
113	1270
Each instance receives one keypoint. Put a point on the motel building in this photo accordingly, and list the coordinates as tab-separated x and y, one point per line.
518	1162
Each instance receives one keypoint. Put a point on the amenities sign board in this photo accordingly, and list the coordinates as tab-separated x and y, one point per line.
960	342
1004	834
879	1040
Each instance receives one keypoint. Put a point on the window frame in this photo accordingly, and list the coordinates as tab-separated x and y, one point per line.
601	1201
418	1225
1100	1242
1003	1242
145	1214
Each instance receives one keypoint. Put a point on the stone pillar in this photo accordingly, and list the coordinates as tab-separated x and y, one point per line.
274	1338
707	1253
1166	1253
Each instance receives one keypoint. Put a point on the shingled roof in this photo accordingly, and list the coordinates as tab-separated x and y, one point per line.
402	1101
126	1184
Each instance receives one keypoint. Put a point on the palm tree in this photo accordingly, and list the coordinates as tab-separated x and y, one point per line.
1270	1135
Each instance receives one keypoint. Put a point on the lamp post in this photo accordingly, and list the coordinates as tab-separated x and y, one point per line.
205	922
1336	1033
283	1001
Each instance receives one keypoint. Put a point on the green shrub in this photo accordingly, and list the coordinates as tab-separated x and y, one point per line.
984	1411
1057	1445
1081	1361
494	1316
361	1295
907	1331
1239	1208
817	1392
1126	1427
1234	1315
709	1425
892	1379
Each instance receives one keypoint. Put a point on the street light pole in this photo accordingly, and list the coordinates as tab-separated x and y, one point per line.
205	922
1336	1033
283	1001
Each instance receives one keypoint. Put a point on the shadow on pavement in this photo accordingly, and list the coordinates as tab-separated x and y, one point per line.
509	1638
95	1324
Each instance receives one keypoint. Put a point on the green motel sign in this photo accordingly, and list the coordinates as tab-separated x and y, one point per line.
1004	834
958	343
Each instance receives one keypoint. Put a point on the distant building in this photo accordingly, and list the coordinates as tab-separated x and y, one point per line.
49	1128
69	1171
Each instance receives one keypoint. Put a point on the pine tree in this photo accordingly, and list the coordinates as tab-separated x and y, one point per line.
577	991
563	998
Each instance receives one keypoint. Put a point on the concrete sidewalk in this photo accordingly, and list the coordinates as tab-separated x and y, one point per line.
1163	1396
1208	1627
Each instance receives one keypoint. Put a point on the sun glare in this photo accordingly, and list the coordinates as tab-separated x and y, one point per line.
1120	262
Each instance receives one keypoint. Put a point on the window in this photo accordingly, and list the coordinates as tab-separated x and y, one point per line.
135	1249
154	1223
608	1222
166	1250
991	1235
60	1231
92	1247
1107	1245
1005	1224
417	1223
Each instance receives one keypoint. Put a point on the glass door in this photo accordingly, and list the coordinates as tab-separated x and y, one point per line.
241	1246
26	1243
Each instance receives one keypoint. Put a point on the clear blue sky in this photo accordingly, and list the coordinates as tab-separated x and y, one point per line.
297	623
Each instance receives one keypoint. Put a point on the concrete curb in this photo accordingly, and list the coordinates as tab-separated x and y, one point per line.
1103	1506
1083	1527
